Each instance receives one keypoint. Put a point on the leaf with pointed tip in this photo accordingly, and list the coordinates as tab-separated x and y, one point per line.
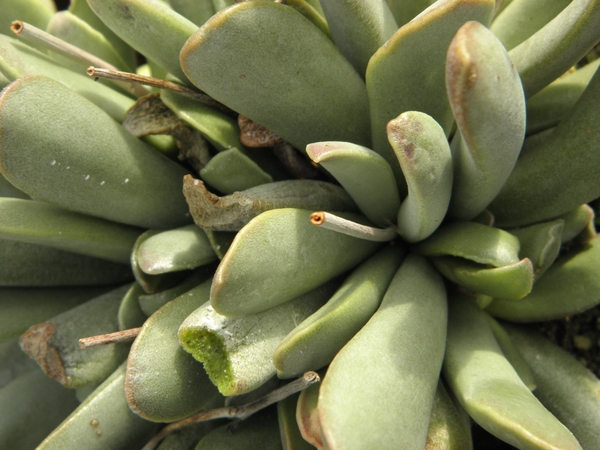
41	223
424	155
238	352
490	390
278	256
102	170
571	285
576	221
130	315
473	241
174	250
18	60
359	28
400	351
290	63
232	212
555	48
549	106
572	148
487	101
565	386
102	421
29	265
150	27
365	175
163	383
510	282
523	18
316	341
395	80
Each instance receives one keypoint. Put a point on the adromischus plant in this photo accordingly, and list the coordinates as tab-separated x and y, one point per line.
459	162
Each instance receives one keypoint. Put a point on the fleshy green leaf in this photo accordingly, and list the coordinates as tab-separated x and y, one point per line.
365	175
487	101
426	162
278	256
294	80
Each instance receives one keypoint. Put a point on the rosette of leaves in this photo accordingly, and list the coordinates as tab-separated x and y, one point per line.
369	189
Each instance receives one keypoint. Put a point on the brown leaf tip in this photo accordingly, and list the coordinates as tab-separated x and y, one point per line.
36	343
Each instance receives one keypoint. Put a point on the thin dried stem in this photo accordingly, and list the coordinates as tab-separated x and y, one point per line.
237	412
113	74
336	223
39	37
110	338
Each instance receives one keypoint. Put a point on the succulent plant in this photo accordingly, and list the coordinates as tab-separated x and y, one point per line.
377	191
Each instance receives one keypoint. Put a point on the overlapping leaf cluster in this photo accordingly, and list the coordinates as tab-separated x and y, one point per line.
444	142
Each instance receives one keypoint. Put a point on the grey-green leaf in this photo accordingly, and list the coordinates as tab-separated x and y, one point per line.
102	170
289	63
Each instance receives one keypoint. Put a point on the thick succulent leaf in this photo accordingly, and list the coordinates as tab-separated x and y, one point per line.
576	221
473	241
29	265
400	351
310	12
220	129
81	9
130	315
231	171
449	425
551	51
163	383
102	170
307	416
173	250
510	282
19	60
232	212
490	390
198	11
296	83
404	11
523	18
238	352
512	354
395	80
70	28
220	241
540	243
359	28
278	256
24	307
33	398
258	432
150	27
291	439
426	162
548	107
487	101
152	283
187	438
571	285
365	175
36	12
44	224
315	342
102	421
565	386
54	344
572	147
150	303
